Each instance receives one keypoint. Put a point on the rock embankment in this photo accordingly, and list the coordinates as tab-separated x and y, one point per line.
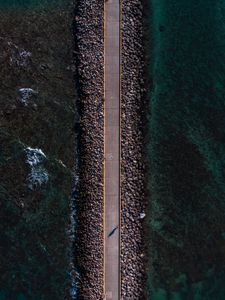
133	114
89	36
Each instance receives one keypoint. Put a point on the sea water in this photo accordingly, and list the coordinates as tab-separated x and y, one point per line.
187	150
30	3
37	156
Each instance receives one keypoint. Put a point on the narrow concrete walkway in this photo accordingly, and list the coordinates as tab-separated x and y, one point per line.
112	149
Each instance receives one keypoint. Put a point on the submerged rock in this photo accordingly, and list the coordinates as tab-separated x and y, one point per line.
26	95
38	174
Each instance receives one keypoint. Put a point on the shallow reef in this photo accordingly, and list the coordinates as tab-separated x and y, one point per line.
186	151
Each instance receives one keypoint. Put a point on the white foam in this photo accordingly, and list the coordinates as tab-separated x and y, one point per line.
35	156
38	174
142	215
26	95
61	163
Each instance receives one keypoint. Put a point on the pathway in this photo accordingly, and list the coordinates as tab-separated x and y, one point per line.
112	149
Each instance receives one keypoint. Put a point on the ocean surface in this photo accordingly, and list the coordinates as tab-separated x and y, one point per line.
22	4
37	151
186	150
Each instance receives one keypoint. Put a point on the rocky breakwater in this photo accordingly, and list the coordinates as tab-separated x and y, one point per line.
133	198
89	53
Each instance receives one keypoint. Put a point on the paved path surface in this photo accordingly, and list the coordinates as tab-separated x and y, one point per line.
112	149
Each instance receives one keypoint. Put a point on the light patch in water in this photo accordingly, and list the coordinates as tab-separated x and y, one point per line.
24	57
19	56
61	163
26	95
35	156
71	231
37	177
38	174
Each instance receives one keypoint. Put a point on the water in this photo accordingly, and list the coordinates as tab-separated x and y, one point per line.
37	145
12	4
187	150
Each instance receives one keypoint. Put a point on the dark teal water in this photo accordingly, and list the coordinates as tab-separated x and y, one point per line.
30	3
187	151
36	52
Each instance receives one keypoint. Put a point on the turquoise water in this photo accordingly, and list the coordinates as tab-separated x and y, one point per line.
187	151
